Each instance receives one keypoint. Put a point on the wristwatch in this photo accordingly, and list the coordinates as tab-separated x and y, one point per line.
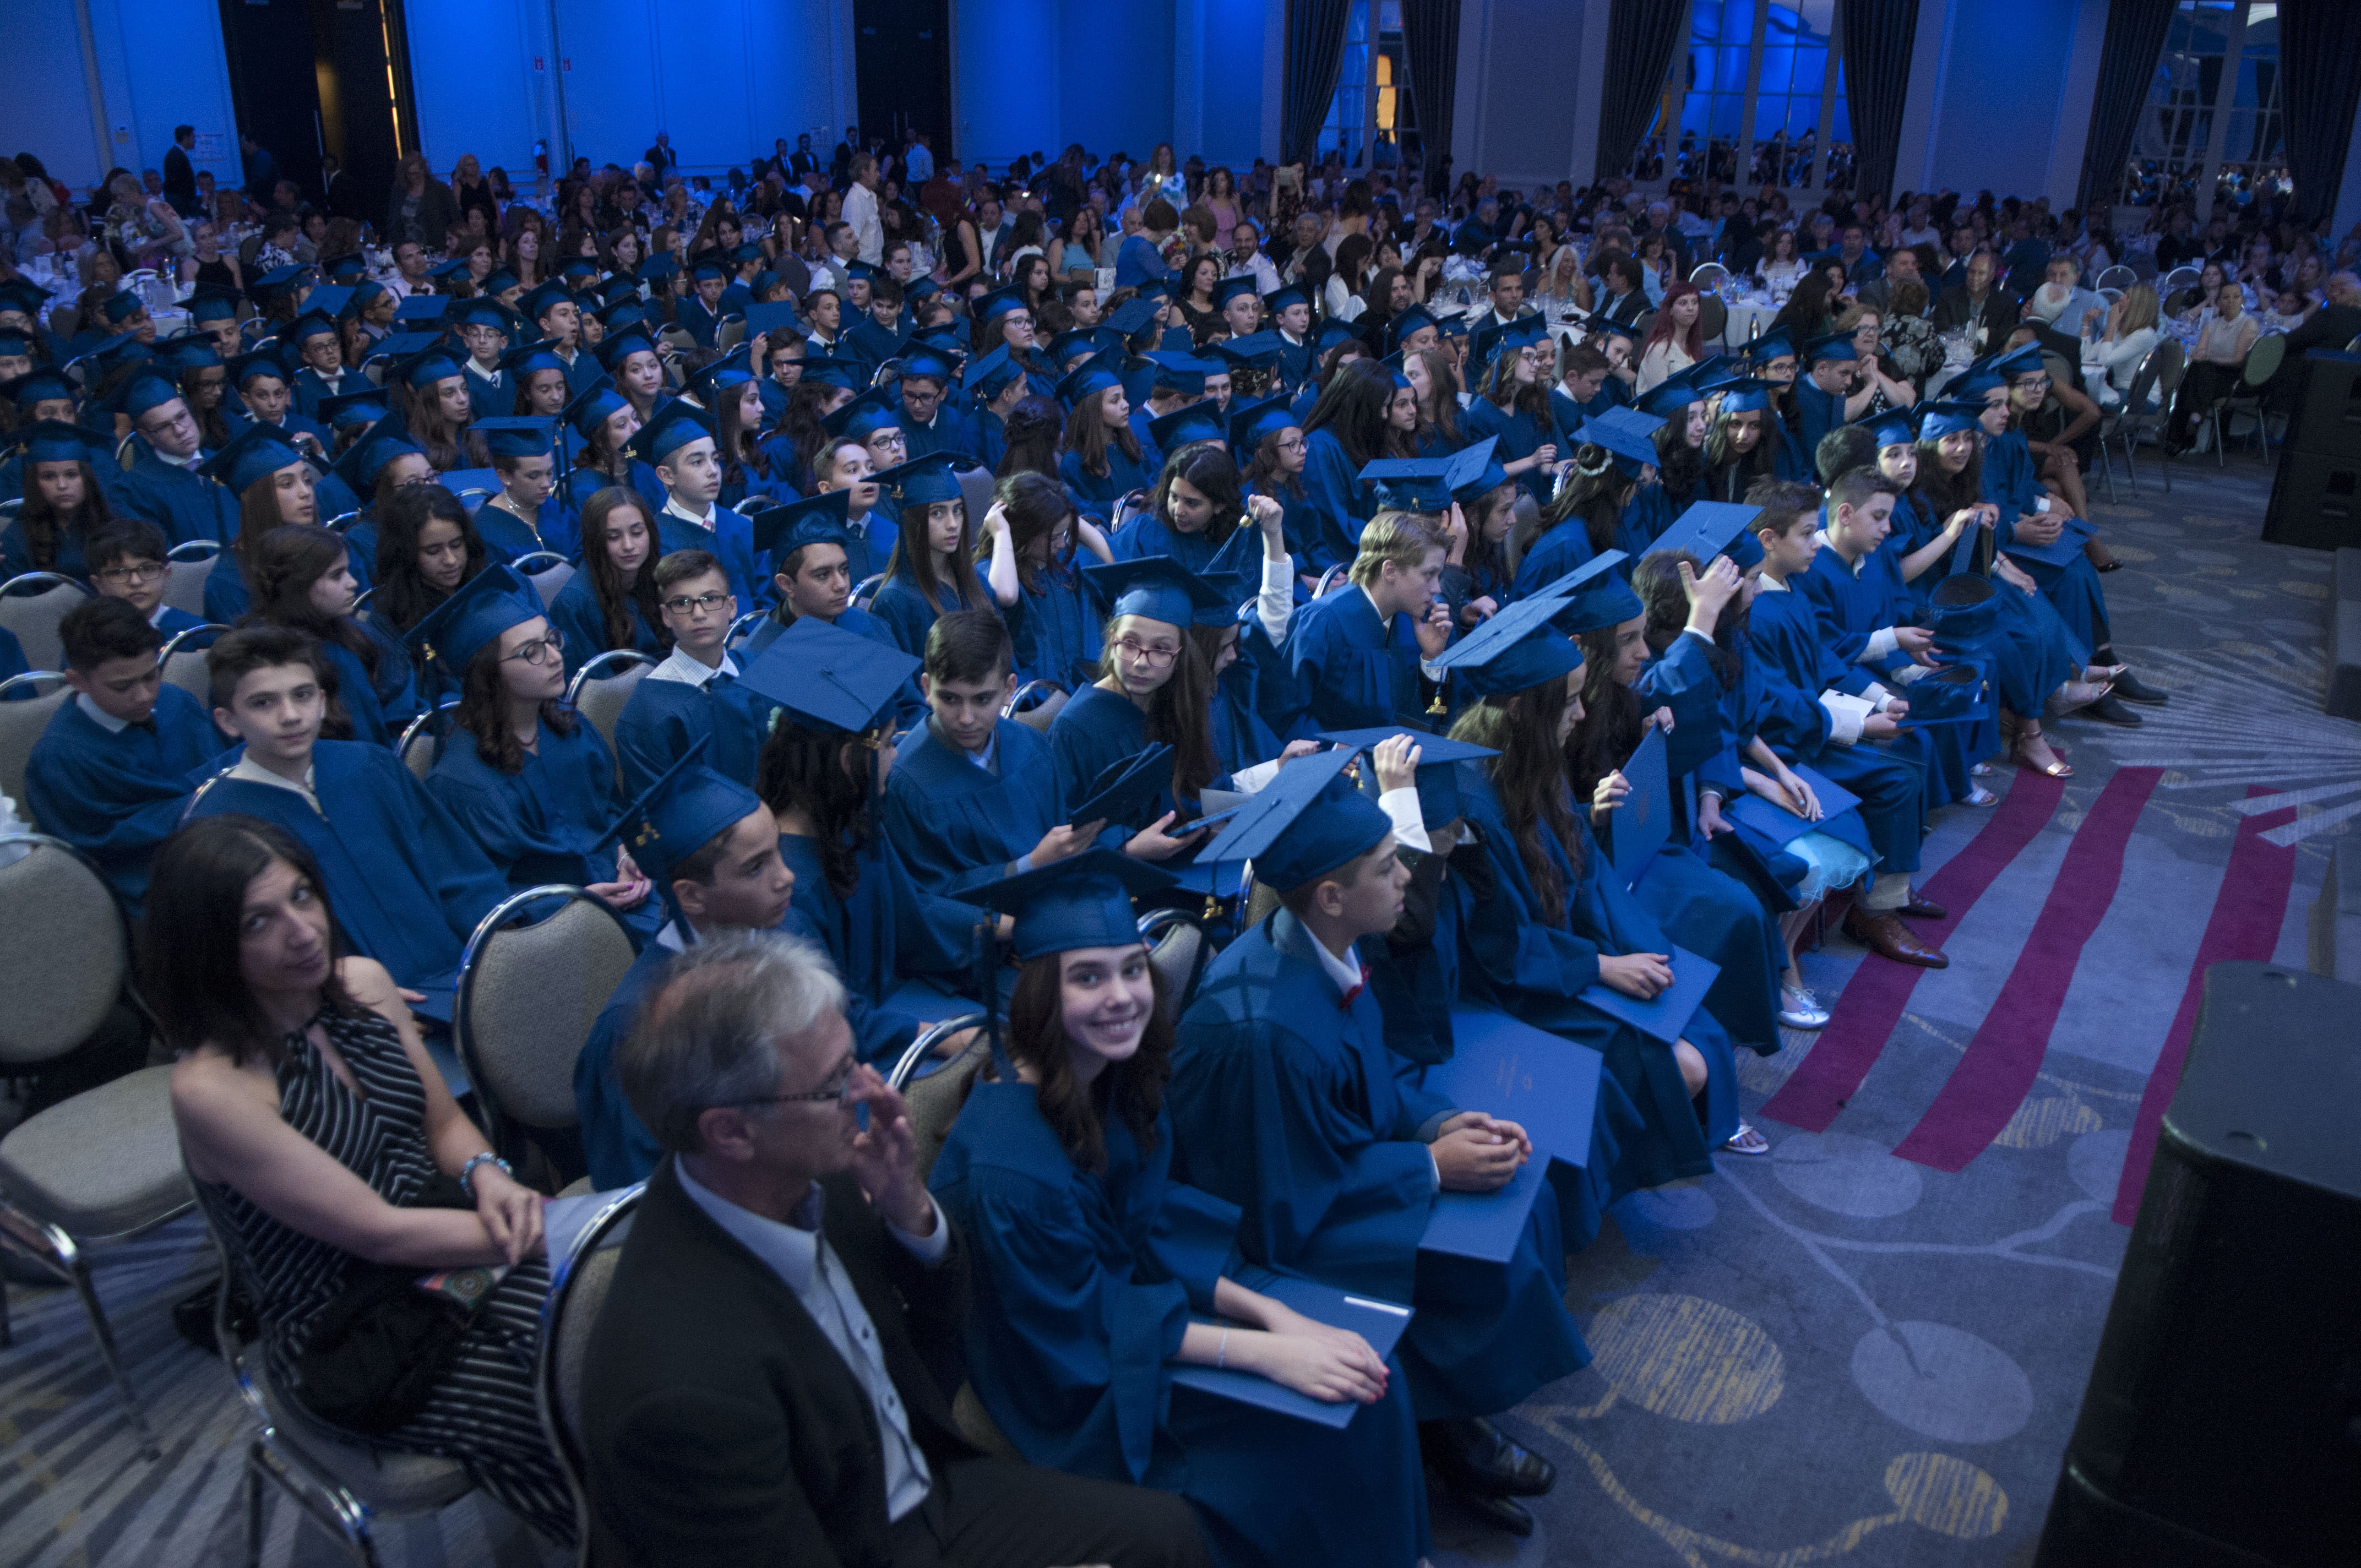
468	1171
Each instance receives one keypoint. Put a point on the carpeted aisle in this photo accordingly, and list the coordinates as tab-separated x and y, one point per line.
1869	1346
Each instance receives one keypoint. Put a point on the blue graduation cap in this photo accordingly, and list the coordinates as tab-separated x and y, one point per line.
659	269
120	308
1895	427
724	375
543	300
2025	359
831	679
989	376
116	352
1523	645
477	613
1836	345
1131	317
827	371
773	320
1230	289
1278	300
1439	757
1307	822
360	465
349	268
526	359
212	304
1066	348
1627	433
366	292
1605	600
278	281
365	407
1399	327
686	808
1094	376
922	482
930	364
254	454
874	410
422	308
1000	302
1743	394
623	343
1779	343
594	406
1936	421
1157	587
40	385
1670	396
674	424
1976	383
1257	351
1708	529
24	298
1472	471
824	519
1198	422
16	345
55	441
1954	695
579	271
1253	423
918	290
1331	334
1180	373
401	345
1408	484
260	362
309	326
518	436
1488	344
1138	379
189	351
145	390
1966	609
436	362
1083	901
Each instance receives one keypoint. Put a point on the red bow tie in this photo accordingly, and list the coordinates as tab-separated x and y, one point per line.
1345	1003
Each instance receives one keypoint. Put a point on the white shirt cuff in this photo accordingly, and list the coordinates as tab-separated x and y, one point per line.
1882	642
1431	670
1692	631
1910	672
1845	716
1877	697
1409	825
1276	603
926	1249
1250	780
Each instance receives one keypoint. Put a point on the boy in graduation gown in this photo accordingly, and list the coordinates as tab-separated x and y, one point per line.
1357	651
677	443
973	796
1823	398
1286	1102
407	883
127	562
712	847
488	328
997	384
808	550
164	484
111	771
1838	733
266	396
692	695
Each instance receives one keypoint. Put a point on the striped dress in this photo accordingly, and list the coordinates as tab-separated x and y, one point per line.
483	1414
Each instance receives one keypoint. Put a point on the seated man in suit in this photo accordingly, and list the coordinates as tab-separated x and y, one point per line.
806	1419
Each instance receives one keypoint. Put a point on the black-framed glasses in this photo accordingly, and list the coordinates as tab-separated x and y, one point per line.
123	577
539	649
698	604
838	1088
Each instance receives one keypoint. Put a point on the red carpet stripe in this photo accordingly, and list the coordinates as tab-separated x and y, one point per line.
2248	914
1866	1013
1990	1082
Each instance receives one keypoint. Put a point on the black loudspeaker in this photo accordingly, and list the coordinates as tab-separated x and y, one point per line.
2328	412
2222	1428
2315	500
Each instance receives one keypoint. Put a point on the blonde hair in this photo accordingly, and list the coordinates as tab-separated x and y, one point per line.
2140	309
1399	537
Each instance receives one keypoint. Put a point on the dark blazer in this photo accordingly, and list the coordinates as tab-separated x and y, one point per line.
721	1427
1997	315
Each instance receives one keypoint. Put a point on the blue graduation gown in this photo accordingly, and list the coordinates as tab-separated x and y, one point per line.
1146	534
886	930
1084	1287
1817	411
959	825
2072	589
577	618
1333	488
407	883
2029	653
580	484
662	720
544	823
1094	730
1285	1101
1554	552
183	506
731	541
380	707
1355	671
1531	967
1519	434
950	432
17	557
116	796
617	1144
909	615
1137	262
1055	634
1098	493
1782	631
555	528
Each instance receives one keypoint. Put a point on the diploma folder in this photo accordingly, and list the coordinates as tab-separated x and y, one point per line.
1664	1017
1512	1070
1644	820
1380	1322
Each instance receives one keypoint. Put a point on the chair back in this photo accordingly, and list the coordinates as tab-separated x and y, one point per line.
1525	516
551	580
1262	901
1705	274
193	562
527	995
1177	951
421	742
579	1284
976	489
729	333
2117	277
31	605
1049	699
599	696
21	724
184	658
935	1098
2264	359
677	337
64	947
866	590
1713	316
2179	277
2172	362
2144	380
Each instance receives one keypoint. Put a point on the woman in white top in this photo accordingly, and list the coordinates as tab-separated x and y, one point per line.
2215	365
1341	299
1780	265
2132	334
1676	341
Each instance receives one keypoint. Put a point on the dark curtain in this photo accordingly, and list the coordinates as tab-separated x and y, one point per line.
1430	39
2135	35
1640	37
2320	42
1878	34
1315	54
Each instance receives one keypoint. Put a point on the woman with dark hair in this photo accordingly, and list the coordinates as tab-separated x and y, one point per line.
1200	308
1100	457
64	506
1512	403
1680	449
1735	455
1433	377
736	399
1094	1259
1806	314
541	388
332	1161
1488	505
1196	506
1345	433
427	548
1034	580
302	579
1031	434
795	448
932	568
610	603
530	783
1541	919
438	408
274	488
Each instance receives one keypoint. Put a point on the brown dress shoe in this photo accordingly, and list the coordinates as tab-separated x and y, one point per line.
1883	933
1919	909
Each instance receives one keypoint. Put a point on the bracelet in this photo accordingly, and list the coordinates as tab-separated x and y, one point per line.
1221	1352
468	1171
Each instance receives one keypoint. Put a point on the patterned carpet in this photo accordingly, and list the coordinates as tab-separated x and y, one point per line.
1869	1347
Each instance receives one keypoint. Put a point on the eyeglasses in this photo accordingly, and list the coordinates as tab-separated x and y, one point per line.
700	604
1152	654
539	649
1290	443
124	576
839	1089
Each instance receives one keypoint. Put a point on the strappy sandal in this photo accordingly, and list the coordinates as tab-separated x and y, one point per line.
2053	770
1747	1141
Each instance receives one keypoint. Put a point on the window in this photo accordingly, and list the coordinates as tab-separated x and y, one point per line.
2212	134
1372	121
1756	96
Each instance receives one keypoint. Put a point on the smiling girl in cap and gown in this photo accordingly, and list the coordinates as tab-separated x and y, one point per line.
1091	1260
931	571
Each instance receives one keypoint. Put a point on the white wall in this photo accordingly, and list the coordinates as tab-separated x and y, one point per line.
86	102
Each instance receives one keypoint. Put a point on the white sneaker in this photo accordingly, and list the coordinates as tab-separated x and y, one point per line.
1799	1009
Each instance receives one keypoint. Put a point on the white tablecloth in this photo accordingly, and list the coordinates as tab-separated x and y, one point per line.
1748	319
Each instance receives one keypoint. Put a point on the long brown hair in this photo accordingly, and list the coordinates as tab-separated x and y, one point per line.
1592	499
615	600
287	561
1529	777
1133	1090
1612	724
1439	410
1088	435
448	447
1946	493
1209	470
1180	713
483	712
914	552
43	529
403	595
801	767
1037	507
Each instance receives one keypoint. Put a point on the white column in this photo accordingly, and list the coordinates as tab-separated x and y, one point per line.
1914	160
1588	85
2075	101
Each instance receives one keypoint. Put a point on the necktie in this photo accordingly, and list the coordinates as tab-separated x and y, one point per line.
1345	1003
